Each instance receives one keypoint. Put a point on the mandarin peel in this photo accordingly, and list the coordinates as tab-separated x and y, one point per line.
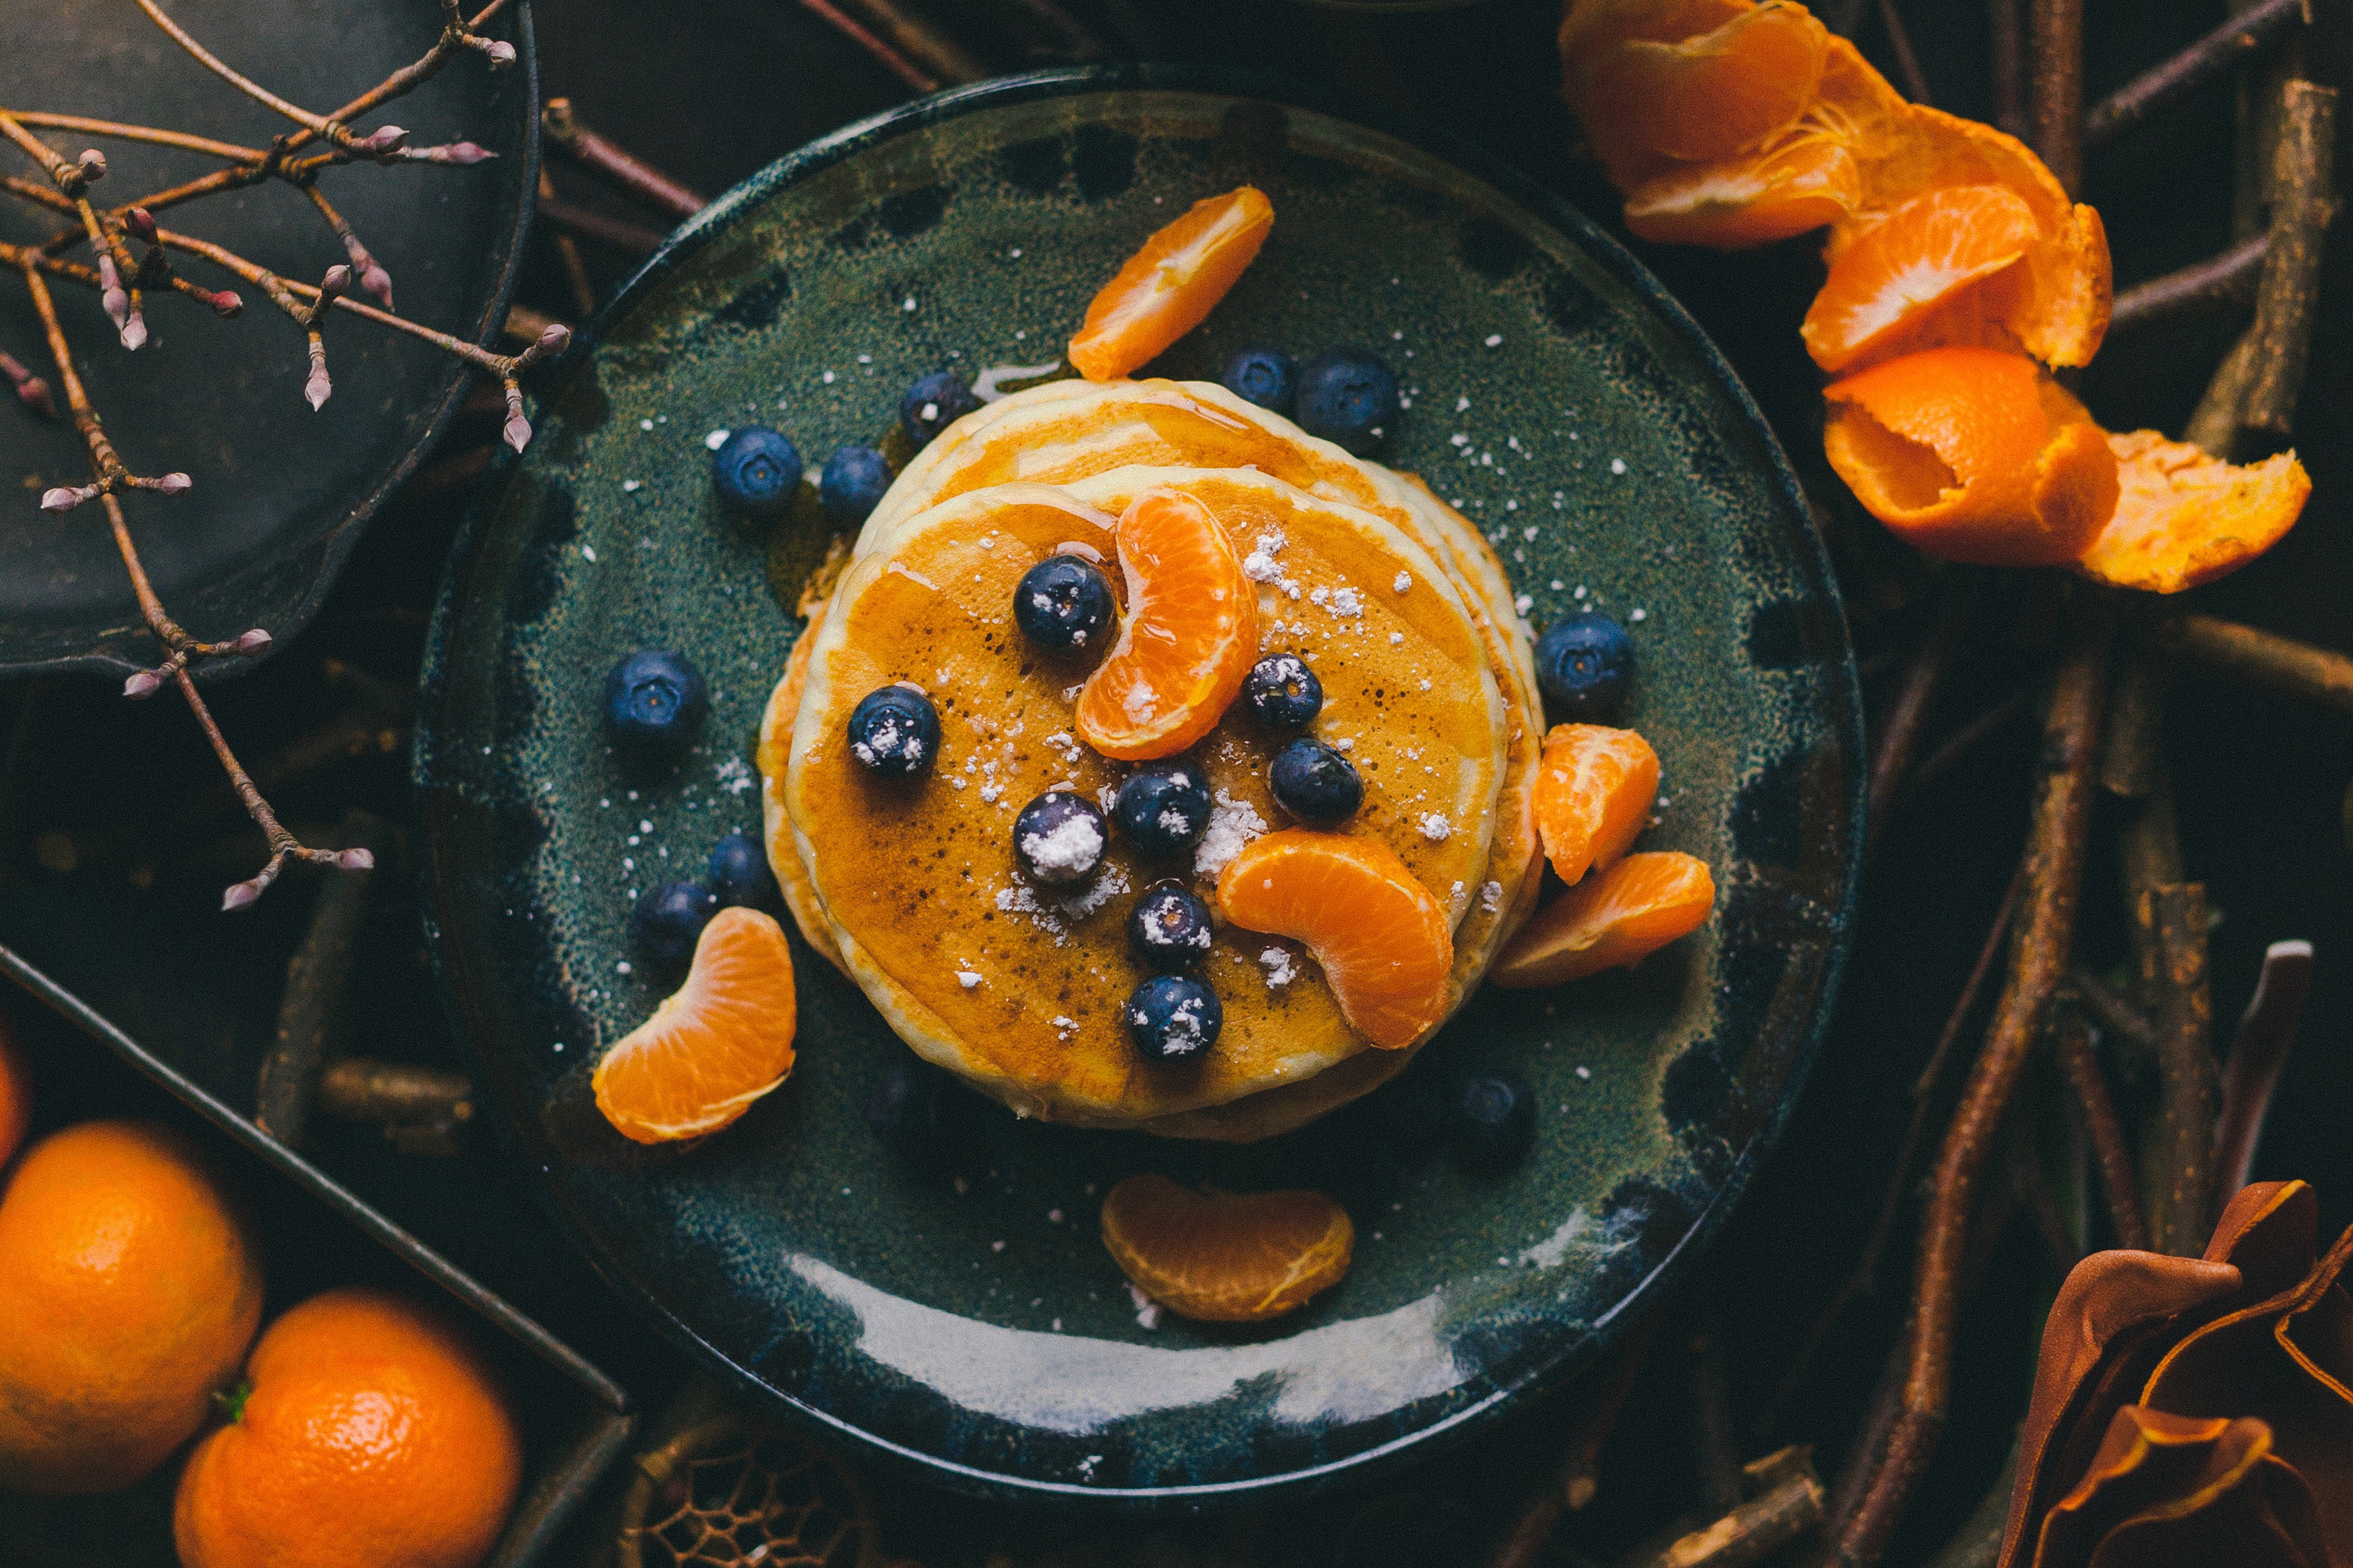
2183	518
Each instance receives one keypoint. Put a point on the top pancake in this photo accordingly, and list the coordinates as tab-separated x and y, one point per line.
916	879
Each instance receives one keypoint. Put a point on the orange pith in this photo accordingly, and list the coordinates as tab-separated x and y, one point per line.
15	1093
372	1434
1170	284
2185	518
1614	918
1188	638
1381	938
129	1288
1882	289
1593	796
718	1043
1226	1258
1972	455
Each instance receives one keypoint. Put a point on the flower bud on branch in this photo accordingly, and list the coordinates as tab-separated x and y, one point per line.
91	165
382	143
457	155
31	390
518	428
62	497
254	644
141	224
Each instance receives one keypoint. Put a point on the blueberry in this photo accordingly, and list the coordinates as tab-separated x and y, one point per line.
739	873
1349	397
1268	377
654	700
1170	927
667	920
1283	693
894	730
757	470
851	483
1059	838
1584	663
1064	605
935	402
1164	807
1314	782
1173	1017
1495	1119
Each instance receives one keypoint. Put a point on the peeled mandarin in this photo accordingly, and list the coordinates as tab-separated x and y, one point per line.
1187	640
2184	517
718	1043
1168	288
1612	919
1226	1258
1718	93
1921	258
1595	789
1382	939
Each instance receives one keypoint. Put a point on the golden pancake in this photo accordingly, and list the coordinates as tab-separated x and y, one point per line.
1020	992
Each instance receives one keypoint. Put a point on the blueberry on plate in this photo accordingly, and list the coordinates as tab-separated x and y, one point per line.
668	920
1173	1017
932	403
739	873
655	701
1283	693
1164	807
1064	605
1495	1119
1347	397
1584	663
1314	782
1059	838
851	483
1170	927
1268	377
757	470
894	730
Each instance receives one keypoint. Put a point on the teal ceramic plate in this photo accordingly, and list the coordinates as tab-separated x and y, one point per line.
976	1327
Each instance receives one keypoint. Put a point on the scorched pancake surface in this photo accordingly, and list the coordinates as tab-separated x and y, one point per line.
916	878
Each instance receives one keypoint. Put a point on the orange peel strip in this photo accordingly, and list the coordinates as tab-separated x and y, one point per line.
2184	517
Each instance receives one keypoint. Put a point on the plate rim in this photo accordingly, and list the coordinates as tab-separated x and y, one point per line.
1812	560
334	546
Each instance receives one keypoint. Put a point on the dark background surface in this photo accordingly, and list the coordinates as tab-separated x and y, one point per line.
711	90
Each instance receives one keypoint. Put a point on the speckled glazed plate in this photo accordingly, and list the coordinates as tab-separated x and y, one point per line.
976	1327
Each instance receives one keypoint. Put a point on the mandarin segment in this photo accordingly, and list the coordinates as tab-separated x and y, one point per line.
1612	919
16	1092
1187	641
1594	796
2185	518
1711	96
1170	284
1797	183
1888	286
1382	941
1226	1258
720	1042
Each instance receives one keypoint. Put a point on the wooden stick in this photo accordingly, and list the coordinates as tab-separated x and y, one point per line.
2178	1157
1899	728
2112	1154
1751	1531
2055	106
890	59
1715	1453
2316	675
567	251
2009	29
361	1088
1907	63
1572	1485
2210	56
315	977
940	55
2223	282
621	234
2119	1018
2257	1054
2302	203
570	135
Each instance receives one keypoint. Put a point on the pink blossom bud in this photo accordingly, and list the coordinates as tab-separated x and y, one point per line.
460	154
338	279
225	303
140	222
34	393
253	642
61	499
499	52
174	484
239	895
518	431
386	139
356	859
146	683
318	388
378	282
93	163
554	339
135	329
110	292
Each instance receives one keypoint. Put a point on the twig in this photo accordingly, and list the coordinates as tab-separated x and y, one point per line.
2266	658
936	53
1075	42
1716	1455
619	232
1572	1485
420	1109
2008	30
2257	1054
2115	1016
1899	728
2214	424
1971	735
1907	64
895	62
31	390
2223	282
567	251
2111	1153
2178	1157
315	979
2210	56
568	134
2055	855
1751	1531
2055	99
2302	203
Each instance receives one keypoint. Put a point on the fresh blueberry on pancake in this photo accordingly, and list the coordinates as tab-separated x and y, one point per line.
1268	377
895	731
1064	605
932	403
1348	397
1163	808
1315	784
1283	693
1170	928
851	482
1174	1017
1059	838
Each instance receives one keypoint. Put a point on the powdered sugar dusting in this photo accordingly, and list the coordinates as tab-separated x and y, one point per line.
1232	824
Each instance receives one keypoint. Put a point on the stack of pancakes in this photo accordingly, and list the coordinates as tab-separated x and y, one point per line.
910	886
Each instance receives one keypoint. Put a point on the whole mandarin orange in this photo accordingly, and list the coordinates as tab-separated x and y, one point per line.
16	1092
369	1435
129	1288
